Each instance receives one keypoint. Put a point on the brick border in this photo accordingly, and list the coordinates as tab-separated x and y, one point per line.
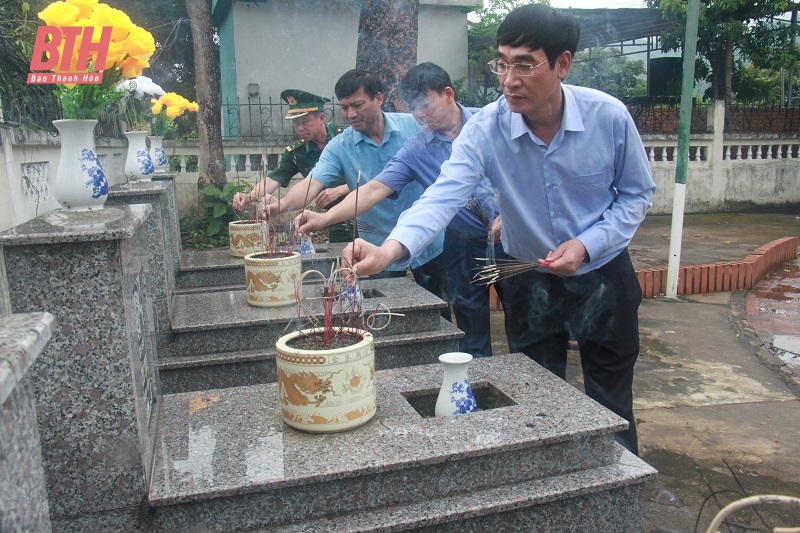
721	277
713	277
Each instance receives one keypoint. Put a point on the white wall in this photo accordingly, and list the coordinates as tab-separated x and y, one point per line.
443	38
304	45
308	45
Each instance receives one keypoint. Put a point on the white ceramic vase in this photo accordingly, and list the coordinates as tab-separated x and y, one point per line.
247	237
271	278
455	396
80	183
329	390
138	165
157	154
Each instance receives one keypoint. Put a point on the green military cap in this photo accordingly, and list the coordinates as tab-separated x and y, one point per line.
301	103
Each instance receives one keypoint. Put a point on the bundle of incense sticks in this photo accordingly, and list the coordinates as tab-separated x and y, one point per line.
474	206
363	226
504	268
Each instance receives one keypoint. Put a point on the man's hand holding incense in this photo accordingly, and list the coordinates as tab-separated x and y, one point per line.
566	259
268	205
308	221
365	258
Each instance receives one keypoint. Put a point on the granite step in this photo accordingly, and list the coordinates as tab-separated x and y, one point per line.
225	461
222	321
253	367
587	500
214	268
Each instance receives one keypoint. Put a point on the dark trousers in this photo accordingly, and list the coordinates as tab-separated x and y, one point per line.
470	300
598	309
430	276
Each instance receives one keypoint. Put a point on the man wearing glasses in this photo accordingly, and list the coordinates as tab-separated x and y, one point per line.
573	184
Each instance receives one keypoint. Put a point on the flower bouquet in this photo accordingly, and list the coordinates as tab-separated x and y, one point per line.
129	52
166	109
80	183
134	109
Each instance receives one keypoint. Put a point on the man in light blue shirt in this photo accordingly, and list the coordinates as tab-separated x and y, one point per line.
358	154
428	91
573	184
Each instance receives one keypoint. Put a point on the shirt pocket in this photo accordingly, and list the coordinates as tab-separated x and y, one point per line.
591	194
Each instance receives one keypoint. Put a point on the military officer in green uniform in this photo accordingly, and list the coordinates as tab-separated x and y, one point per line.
307	113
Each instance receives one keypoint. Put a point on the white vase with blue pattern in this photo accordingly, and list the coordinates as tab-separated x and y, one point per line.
138	165
157	154
455	396
80	183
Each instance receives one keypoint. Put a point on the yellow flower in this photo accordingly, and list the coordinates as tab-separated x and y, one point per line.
85	6
171	99
59	14
174	111
104	15
193	107
132	67
116	54
139	43
156	107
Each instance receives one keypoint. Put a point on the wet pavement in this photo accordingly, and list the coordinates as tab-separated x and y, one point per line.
717	384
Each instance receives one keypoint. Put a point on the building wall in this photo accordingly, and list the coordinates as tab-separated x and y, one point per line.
284	44
279	46
443	38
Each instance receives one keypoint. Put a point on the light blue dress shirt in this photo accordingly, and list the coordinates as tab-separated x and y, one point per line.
420	160
592	182
358	159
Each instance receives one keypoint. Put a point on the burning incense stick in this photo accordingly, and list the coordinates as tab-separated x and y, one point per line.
355	209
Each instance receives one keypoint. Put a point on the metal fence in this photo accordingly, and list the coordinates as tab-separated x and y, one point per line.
741	118
264	119
660	115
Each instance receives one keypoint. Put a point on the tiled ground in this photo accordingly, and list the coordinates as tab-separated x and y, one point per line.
773	310
773	305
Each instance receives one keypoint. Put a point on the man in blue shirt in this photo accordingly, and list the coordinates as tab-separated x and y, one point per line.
573	184
358	154
428	91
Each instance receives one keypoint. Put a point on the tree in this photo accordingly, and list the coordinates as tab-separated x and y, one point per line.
211	161
387	42
772	46
31	106
606	70
723	29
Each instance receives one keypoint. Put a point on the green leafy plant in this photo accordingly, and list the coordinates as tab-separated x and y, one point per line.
220	204
193	231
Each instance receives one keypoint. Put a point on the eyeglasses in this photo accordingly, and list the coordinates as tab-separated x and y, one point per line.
520	69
